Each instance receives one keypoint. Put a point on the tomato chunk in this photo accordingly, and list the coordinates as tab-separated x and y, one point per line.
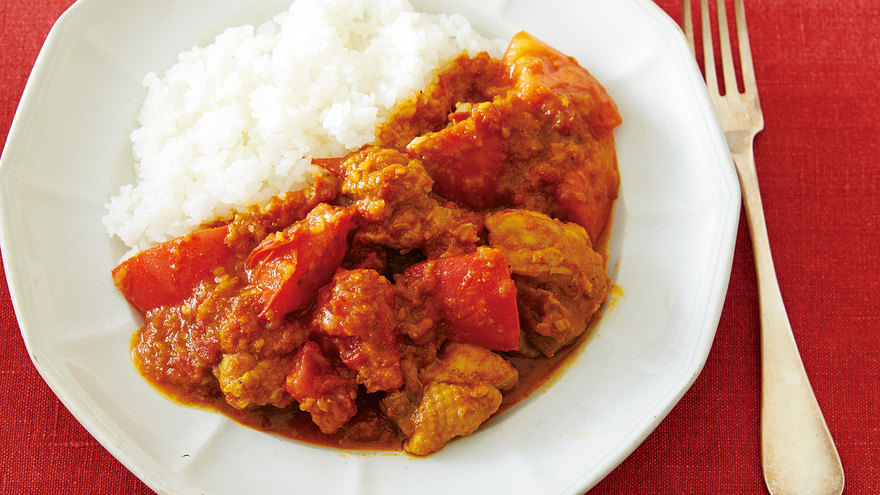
474	295
290	266
168	273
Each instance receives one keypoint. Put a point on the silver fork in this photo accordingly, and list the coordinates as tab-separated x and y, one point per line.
798	455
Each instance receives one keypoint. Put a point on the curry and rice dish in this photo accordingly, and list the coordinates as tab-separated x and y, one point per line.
418	286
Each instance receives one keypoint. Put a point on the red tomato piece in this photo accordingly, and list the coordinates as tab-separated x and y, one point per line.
466	160
168	273
535	63
290	266
474	295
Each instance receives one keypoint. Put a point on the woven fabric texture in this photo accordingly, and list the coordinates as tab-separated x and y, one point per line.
819	167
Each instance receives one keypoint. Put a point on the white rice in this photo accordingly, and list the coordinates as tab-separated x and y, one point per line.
236	122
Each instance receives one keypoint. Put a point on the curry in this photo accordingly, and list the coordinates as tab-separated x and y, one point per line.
418	287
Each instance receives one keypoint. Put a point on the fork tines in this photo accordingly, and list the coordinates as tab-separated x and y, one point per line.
727	61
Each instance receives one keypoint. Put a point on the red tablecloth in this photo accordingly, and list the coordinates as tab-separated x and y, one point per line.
817	65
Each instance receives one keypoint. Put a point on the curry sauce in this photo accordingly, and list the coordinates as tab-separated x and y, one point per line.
419	287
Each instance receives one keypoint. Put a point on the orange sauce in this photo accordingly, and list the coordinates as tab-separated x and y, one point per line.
178	351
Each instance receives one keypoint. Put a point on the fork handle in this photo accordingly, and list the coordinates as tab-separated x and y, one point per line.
797	450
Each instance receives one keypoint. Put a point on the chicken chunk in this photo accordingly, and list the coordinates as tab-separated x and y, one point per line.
256	358
177	352
447	411
248	381
392	193
323	388
461	390
356	312
465	364
561	282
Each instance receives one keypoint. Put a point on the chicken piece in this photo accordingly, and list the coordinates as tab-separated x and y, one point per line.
362	255
256	356
537	135
550	322
447	411
368	428
357	312
323	388
176	351
561	282
246	332
467	364
461	391
249	382
392	193
185	344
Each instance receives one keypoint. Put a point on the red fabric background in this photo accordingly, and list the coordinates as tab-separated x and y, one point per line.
818	160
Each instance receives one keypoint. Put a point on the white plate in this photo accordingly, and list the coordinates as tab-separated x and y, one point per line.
671	251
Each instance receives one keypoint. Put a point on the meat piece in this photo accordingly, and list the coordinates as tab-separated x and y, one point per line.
357	311
363	255
257	356
323	388
560	280
249	382
175	350
467	364
392	193
461	391
447	411
200	340
368	428
551	322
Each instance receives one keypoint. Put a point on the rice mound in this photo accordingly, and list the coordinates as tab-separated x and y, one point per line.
236	122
